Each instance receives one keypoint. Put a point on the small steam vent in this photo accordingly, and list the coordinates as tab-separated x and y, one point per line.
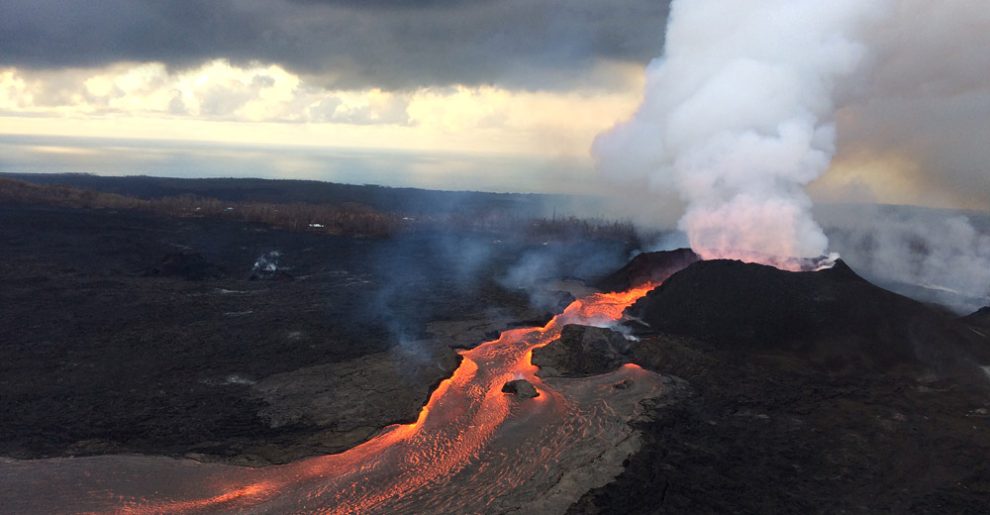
267	267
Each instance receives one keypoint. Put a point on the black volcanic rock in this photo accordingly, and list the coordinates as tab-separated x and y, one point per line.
582	351
646	267
520	388
981	318
833	317
779	420
187	265
278	275
96	358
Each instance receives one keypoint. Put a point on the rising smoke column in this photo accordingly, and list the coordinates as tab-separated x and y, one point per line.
737	117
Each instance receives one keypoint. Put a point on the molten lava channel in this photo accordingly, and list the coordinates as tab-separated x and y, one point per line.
469	446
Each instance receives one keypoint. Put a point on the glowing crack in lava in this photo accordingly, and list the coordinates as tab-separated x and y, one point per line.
472	449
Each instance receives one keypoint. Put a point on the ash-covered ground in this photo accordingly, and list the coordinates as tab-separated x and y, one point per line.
127	332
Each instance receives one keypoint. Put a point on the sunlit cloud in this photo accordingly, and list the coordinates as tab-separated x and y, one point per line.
265	103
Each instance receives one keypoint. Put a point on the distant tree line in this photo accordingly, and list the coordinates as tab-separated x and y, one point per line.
346	218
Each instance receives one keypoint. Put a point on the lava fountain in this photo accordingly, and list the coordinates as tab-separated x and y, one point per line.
472	448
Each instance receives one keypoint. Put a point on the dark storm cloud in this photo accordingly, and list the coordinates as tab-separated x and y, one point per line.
386	43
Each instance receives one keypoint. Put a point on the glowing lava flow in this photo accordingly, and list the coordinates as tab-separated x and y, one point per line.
470	444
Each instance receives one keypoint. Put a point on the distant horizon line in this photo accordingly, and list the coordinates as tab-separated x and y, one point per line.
441	190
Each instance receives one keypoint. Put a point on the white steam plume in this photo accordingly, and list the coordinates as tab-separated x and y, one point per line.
737	116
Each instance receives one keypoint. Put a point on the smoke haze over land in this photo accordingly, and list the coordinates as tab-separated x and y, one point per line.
945	255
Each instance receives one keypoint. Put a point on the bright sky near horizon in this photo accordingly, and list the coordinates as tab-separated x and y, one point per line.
503	95
218	109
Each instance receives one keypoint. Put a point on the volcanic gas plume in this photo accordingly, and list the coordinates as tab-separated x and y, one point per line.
737	117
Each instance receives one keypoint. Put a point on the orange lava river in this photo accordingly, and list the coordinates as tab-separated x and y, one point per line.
472	449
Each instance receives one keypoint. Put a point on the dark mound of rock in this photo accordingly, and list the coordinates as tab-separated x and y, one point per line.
582	351
980	318
647	267
187	265
520	388
771	427
833	316
278	275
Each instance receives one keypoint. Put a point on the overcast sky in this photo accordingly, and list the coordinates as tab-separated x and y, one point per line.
387	44
191	87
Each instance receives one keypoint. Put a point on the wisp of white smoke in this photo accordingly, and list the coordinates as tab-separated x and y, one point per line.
737	116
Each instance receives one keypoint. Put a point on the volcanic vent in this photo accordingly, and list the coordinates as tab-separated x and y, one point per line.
833	317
